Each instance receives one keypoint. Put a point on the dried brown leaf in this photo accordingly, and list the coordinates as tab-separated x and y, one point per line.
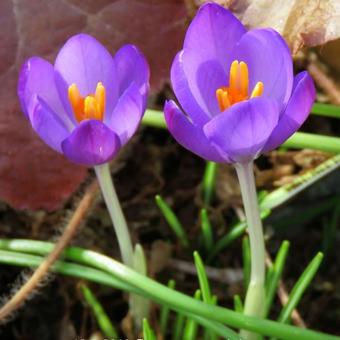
31	175
301	22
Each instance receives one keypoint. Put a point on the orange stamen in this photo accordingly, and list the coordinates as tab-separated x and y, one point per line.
258	90
243	78
90	107
77	102
100	98
238	89
233	77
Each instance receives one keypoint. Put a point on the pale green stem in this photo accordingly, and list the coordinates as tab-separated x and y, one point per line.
116	213
255	297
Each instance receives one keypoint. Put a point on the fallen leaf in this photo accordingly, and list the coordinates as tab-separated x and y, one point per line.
31	175
301	22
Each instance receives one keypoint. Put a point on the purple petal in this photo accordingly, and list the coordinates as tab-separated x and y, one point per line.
269	60
37	79
201	68
213	33
296	112
85	62
242	130
204	78
188	135
91	143
127	114
132	67
198	114
47	124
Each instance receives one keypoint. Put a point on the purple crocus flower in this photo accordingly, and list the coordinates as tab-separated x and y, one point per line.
88	104
237	89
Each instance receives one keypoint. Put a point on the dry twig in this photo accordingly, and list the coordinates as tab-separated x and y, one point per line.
325	82
78	216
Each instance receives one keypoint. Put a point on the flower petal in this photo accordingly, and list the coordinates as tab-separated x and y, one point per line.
269	61
85	62
242	130
213	33
47	124
132	67
91	143
296	112
204	78
37	79
201	68
188	135
197	111
127	114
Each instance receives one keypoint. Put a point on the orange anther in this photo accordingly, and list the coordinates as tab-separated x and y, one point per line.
100	98
90	107
222	99
258	90
233	74
77	102
243	78
238	88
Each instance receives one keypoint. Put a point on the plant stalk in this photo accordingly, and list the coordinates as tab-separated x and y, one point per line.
255	296
116	213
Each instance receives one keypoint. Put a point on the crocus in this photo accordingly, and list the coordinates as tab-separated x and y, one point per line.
89	103
237	89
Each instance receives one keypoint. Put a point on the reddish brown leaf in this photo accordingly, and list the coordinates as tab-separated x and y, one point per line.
31	175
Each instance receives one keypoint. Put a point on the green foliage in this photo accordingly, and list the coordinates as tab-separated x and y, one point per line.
173	221
148	333
274	274
102	318
101	269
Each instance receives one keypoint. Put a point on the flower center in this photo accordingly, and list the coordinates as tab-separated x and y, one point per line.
237	90
90	107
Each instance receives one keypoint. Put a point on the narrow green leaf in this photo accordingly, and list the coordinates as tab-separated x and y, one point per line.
207	233
235	232
154	118
326	110
178	327
115	274
284	193
164	317
303	140
238	305
148	332
299	288
246	261
209	182
274	274
139	306
102	318
202	278
173	221
191	326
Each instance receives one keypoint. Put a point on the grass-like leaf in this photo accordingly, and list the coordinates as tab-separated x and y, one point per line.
274	274
102	318
207	233
148	333
129	280
299	288
209	182
173	221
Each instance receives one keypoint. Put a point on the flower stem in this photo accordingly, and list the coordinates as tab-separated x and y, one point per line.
116	213
255	297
